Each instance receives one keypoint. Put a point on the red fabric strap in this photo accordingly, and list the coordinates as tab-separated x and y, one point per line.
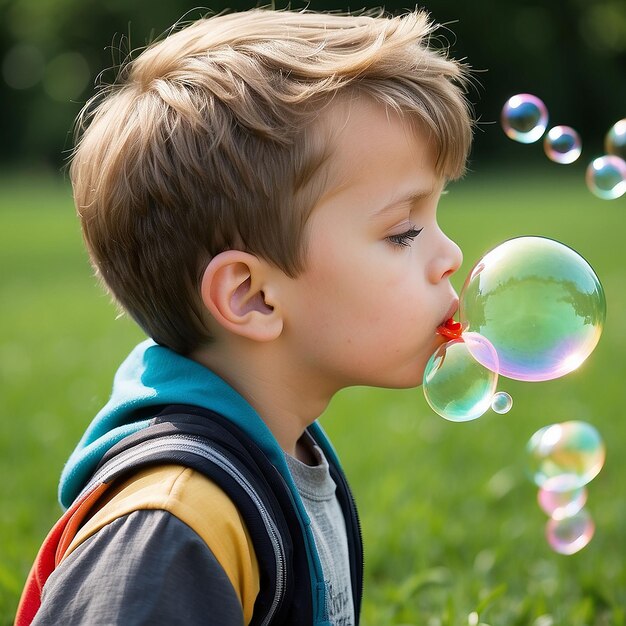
52	551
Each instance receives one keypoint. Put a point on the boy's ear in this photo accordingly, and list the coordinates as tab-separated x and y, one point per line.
236	290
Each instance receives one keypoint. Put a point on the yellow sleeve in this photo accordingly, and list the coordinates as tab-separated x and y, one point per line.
198	502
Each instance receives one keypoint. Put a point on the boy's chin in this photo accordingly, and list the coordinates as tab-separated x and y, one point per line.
407	376
409	384
406	380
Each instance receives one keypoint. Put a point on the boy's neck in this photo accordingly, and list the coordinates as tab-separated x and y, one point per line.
275	389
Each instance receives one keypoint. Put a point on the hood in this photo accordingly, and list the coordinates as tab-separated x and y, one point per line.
153	376
150	377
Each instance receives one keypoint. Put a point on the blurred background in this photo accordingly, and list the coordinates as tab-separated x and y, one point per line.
453	533
571	52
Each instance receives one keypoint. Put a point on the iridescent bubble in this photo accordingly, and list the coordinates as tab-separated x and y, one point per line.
606	177
562	145
501	402
456	385
524	118
539	303
615	140
561	504
571	534
566	456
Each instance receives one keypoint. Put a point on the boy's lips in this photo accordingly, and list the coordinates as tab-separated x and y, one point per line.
454	307
448	327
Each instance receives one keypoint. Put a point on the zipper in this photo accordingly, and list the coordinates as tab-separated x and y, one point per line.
357	546
348	506
199	447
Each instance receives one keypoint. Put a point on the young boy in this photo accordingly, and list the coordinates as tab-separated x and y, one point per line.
259	192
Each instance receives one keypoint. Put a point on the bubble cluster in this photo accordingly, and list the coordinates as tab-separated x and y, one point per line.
562	145
606	177
543	308
563	459
524	118
531	309
539	303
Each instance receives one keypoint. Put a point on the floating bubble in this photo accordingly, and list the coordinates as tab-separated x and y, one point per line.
539	303
566	456
615	140
570	534
456	385
606	177
524	118
562	145
561	504
501	402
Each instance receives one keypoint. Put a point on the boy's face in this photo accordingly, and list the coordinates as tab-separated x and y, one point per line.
376	281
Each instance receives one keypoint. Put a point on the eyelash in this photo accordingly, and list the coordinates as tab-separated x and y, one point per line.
404	239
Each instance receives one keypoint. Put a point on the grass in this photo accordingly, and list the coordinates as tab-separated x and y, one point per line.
453	534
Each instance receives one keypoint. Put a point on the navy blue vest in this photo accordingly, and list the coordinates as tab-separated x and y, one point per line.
208	443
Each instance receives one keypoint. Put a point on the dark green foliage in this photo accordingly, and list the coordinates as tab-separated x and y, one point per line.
571	53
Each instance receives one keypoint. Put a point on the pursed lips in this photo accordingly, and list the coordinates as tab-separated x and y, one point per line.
454	307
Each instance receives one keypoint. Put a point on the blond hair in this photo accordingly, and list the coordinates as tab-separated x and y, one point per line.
205	143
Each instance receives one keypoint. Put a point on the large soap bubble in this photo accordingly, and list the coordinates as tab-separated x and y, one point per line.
456	385
524	118
564	457
539	303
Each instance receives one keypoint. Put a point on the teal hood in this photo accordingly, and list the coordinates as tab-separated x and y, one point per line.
153	376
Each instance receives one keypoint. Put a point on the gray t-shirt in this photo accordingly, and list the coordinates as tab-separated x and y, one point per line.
317	490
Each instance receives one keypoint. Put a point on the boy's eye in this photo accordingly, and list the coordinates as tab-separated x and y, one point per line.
404	239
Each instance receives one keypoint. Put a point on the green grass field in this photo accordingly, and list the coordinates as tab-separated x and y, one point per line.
453	534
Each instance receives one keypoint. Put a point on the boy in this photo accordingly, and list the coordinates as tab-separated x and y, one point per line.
259	192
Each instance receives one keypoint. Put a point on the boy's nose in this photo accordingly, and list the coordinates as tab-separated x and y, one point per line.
447	260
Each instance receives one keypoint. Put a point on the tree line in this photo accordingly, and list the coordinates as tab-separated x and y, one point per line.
570	53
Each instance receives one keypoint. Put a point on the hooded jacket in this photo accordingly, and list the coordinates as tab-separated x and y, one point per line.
153	377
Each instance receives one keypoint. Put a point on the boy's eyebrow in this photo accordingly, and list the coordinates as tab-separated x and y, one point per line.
409	198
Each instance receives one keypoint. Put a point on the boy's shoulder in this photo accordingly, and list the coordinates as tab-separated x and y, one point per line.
195	500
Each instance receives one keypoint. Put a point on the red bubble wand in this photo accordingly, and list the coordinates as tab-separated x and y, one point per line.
451	329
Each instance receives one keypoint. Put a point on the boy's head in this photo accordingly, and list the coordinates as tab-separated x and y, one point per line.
216	139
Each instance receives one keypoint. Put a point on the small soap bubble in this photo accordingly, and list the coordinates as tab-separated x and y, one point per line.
606	177
524	118
539	303
615	140
456	385
570	534
566	456
562	145
501	402
561	504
